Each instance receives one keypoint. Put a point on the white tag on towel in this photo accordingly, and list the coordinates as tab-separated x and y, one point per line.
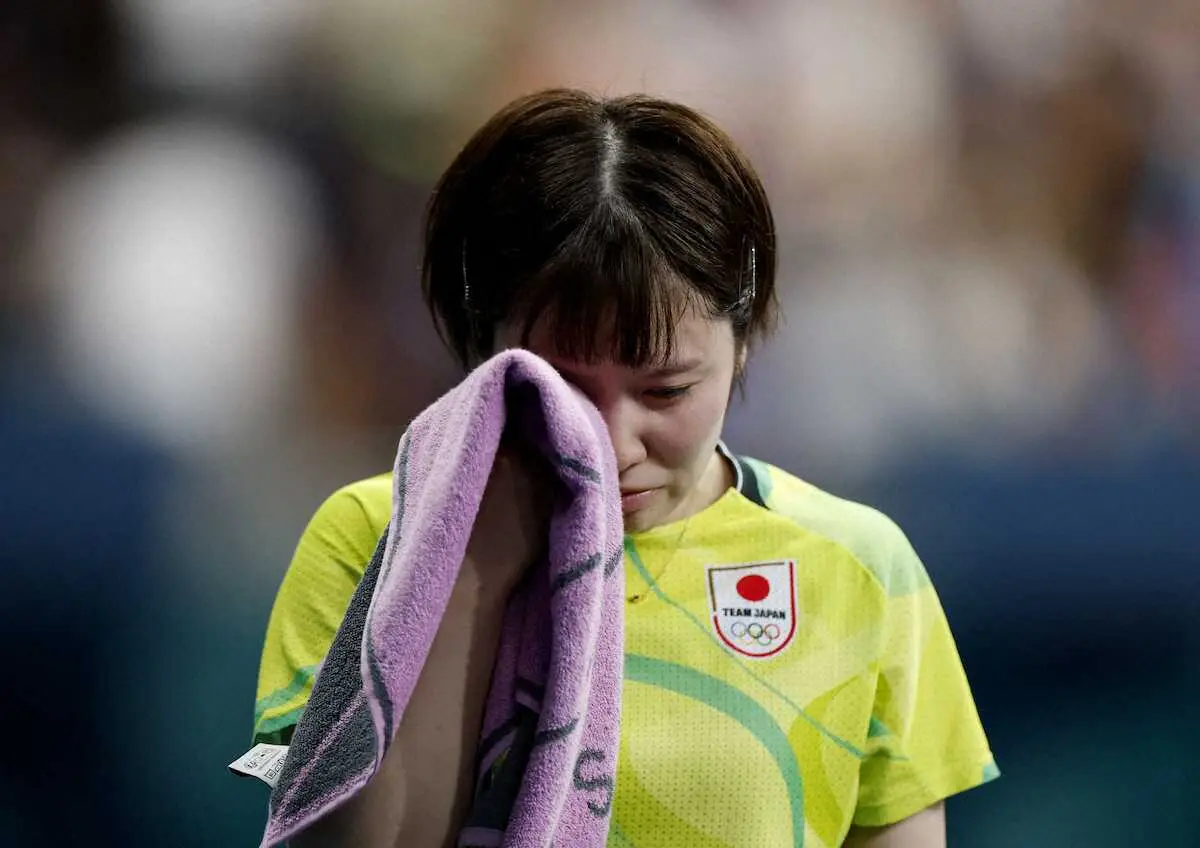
263	761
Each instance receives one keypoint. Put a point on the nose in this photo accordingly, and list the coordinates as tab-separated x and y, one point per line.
622	417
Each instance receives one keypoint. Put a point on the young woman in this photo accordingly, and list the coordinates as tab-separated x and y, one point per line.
790	677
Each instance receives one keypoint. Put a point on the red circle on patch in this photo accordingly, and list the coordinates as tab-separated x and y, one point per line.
753	587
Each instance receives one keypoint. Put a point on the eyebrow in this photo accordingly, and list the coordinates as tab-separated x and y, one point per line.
666	370
674	369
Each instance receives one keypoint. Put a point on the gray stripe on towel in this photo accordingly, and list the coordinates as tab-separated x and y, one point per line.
613	561
555	734
566	578
378	681
581	468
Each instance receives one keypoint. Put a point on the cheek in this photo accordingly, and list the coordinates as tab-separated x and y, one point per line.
686	434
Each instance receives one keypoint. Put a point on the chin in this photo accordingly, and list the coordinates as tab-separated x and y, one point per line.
636	522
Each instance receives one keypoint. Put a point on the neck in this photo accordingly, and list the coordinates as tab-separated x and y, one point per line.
717	478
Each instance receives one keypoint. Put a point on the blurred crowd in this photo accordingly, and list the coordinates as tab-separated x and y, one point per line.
989	221
988	212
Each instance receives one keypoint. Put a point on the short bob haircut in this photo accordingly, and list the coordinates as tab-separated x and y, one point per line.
604	217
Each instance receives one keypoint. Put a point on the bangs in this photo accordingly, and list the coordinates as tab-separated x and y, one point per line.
608	294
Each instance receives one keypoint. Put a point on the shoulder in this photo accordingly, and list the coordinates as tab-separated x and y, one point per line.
347	525
365	502
328	564
868	535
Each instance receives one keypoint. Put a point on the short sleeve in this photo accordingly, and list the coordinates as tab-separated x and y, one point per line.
328	563
925	740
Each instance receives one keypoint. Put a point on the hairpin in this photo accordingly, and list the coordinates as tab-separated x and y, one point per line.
465	283
746	296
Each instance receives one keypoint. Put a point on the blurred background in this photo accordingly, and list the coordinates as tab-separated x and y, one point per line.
989	217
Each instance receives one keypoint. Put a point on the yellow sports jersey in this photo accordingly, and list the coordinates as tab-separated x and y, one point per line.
789	671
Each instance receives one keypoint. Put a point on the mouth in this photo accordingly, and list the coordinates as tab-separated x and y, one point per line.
635	499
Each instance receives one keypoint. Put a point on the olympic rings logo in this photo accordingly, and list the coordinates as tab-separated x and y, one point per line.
755	633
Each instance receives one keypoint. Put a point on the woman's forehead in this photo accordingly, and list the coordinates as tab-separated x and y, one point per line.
696	341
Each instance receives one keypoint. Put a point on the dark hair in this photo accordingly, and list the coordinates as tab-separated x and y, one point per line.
597	213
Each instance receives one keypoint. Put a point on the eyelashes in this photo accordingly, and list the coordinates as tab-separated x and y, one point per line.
659	395
668	392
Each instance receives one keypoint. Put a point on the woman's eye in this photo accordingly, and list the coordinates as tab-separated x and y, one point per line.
668	392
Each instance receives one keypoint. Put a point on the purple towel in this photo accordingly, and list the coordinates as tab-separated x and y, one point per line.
548	747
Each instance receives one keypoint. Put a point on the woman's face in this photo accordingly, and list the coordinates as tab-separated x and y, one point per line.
664	420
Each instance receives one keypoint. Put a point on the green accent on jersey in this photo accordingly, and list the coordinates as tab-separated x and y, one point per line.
617	839
301	681
877	728
737	705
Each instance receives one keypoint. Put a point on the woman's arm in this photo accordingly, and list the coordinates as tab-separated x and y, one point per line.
423	789
926	829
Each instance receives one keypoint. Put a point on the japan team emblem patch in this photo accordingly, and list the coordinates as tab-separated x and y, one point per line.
753	606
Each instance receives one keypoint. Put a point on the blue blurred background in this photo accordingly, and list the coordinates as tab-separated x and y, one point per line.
989	216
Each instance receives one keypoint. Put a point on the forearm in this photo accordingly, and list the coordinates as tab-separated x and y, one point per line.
423	787
926	829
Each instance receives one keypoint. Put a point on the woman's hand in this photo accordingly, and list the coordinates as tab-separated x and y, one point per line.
512	526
